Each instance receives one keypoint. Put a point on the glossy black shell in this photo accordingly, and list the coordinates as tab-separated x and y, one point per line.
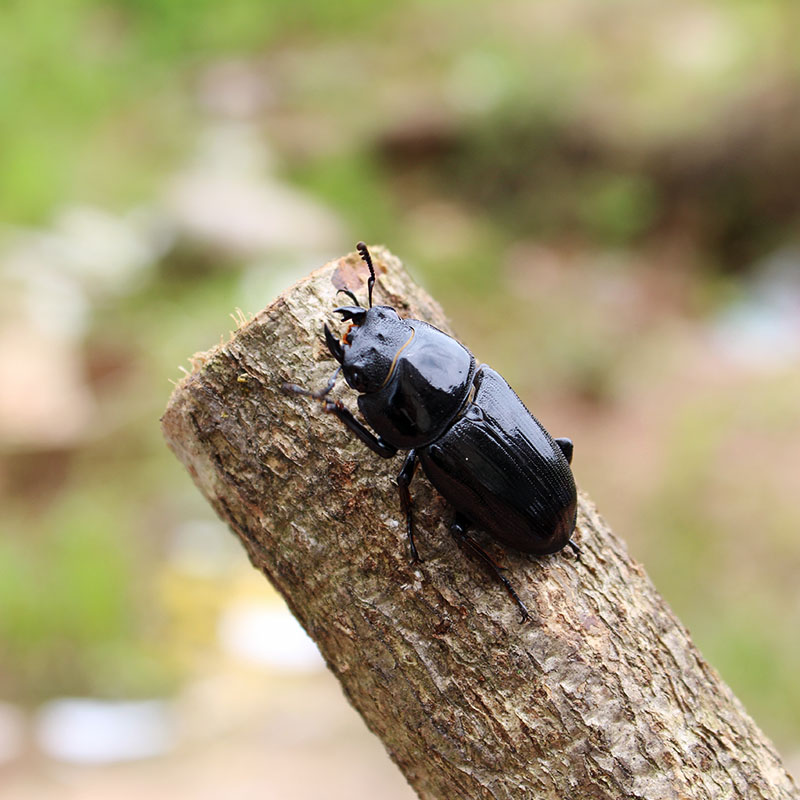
498	466
477	442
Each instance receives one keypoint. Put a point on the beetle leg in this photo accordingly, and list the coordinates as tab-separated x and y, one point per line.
459	531
335	407
362	432
575	549
403	482
293	388
566	448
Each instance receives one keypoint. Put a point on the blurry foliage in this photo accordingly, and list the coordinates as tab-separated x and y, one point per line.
82	82
540	176
352	184
721	539
72	620
81	608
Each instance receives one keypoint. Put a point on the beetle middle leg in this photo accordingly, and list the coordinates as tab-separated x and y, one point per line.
403	482
458	529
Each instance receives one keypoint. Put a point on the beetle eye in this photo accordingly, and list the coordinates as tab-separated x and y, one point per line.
356	379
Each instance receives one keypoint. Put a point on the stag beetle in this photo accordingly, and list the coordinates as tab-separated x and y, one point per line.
422	391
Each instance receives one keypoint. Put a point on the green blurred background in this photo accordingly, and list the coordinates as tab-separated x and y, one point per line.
602	195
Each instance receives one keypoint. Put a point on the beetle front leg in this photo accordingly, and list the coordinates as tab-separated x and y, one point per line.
459	531
403	482
335	407
293	388
362	432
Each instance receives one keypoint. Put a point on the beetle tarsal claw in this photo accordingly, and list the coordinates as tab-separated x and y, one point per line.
293	388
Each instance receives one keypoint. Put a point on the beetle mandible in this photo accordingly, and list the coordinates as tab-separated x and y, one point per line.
422	391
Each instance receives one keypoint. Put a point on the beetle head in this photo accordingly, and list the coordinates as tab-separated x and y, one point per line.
367	351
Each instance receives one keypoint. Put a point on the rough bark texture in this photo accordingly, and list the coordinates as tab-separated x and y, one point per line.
601	695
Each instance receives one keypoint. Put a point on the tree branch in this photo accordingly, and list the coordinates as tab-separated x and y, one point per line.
601	695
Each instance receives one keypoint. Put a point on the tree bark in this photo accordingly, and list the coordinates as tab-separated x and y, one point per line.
600	695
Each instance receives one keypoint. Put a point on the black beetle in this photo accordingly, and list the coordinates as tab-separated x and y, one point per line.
421	390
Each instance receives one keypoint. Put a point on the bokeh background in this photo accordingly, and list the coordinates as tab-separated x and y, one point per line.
603	196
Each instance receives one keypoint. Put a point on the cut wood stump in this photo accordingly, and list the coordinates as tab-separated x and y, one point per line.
602	694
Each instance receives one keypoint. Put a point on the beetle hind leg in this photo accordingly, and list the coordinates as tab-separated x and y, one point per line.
575	549
458	529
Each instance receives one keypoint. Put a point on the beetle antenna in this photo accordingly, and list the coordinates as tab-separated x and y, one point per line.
363	251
